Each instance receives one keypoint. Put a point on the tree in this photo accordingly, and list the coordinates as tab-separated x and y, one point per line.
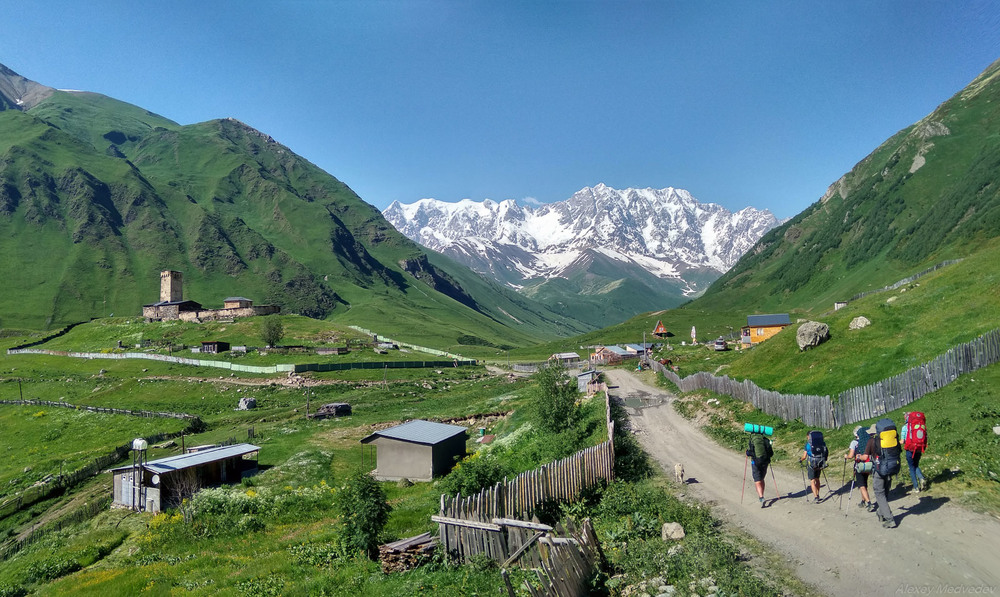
364	511
272	331
554	405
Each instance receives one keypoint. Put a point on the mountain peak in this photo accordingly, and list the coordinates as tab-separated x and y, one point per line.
665	235
19	93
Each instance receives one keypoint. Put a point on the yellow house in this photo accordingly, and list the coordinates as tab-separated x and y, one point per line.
762	327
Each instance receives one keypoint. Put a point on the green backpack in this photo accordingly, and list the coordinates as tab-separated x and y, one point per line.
760	448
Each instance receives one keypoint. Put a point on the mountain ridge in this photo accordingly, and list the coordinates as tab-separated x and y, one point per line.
673	244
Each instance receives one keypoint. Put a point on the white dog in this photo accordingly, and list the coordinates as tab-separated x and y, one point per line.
679	472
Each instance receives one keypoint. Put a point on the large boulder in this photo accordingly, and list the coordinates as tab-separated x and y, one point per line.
247	403
812	333
859	322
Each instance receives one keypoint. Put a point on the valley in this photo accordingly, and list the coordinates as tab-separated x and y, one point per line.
98	196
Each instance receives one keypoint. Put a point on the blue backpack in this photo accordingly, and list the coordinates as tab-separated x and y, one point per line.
816	450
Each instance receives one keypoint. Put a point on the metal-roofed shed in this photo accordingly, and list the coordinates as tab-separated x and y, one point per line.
417	450
762	327
769	320
164	482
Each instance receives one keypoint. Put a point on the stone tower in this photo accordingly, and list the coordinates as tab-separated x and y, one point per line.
171	286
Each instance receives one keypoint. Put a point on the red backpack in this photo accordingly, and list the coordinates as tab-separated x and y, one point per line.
916	433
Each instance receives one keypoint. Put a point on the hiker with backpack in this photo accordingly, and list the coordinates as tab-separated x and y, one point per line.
815	454
760	452
914	439
883	448
855	454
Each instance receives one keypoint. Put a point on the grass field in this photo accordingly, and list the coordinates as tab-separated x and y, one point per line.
277	532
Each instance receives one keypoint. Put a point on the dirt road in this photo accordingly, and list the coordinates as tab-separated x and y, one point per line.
937	548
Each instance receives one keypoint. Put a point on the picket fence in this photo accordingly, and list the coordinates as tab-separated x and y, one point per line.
490	523
855	404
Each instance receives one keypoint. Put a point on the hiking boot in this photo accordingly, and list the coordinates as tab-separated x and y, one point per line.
923	484
863	504
872	507
888	523
761	502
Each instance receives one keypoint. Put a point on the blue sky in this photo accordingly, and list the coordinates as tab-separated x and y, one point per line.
741	103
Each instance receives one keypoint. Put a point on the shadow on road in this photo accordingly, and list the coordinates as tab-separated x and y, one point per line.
925	505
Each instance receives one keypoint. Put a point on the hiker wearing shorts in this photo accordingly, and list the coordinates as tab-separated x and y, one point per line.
759	451
880	485
860	479
811	472
758	470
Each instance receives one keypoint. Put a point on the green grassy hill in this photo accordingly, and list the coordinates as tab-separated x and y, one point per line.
927	194
98	196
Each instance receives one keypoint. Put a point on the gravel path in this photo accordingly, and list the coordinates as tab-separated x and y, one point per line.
937	547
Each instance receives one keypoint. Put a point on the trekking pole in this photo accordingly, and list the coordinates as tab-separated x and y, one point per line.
854	477
829	490
843	481
802	469
775	483
745	460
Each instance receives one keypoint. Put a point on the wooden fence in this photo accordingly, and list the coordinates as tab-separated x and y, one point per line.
564	563
873	400
855	404
812	410
489	523
101	409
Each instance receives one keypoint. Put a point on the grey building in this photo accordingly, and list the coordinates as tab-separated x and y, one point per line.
158	484
417	450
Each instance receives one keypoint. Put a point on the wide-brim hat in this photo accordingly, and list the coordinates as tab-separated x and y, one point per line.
856	430
871	430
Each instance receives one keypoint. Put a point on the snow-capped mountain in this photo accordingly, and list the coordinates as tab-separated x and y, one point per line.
663	238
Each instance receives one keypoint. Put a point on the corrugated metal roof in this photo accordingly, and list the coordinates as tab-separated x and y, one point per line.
775	319
618	350
182	461
418	431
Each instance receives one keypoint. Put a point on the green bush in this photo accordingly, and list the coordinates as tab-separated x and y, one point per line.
364	511
554	401
50	569
477	472
12	591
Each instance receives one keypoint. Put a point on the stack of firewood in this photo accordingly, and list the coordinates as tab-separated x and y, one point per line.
406	554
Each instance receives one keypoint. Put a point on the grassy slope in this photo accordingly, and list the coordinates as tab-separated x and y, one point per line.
886	218
232	209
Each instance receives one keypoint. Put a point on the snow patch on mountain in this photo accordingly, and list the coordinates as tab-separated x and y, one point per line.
667	232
